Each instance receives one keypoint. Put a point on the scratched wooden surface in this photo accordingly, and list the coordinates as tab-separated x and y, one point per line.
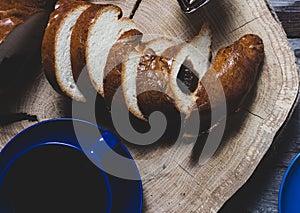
260	193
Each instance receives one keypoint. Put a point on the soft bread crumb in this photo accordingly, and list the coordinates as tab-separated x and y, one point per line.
197	52
102	35
129	74
63	67
159	45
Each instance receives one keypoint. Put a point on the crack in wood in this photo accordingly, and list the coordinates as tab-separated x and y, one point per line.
6	119
254	114
185	170
135	8
243	25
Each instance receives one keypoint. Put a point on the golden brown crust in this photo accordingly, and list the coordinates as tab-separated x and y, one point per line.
7	25
152	85
18	11
48	44
111	84
79	38
152	82
15	12
12	15
21	31
80	35
118	54
5	5
236	68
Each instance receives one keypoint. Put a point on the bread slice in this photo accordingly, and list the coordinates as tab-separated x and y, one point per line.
80	34
118	52
113	69
78	44
129	75
56	57
145	78
103	33
158	45
22	28
195	55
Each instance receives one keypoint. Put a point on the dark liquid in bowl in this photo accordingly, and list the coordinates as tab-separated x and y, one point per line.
53	178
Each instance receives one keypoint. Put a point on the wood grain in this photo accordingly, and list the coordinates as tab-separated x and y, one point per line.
207	187
288	13
260	193
7	132
127	6
171	183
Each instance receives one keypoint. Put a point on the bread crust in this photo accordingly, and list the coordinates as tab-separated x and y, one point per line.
125	25
152	85
236	68
7	26
50	38
22	27
152	79
153	89
12	15
80	34
118	54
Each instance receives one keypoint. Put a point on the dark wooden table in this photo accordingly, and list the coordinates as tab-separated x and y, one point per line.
260	193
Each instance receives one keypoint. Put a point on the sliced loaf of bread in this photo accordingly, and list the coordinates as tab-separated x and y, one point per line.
129	74
118	52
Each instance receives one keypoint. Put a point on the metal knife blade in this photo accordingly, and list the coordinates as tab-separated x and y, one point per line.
189	6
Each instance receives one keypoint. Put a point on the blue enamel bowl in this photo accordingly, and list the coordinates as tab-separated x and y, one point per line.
65	136
288	198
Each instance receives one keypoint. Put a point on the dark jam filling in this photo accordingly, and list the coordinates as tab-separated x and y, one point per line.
187	80
53	178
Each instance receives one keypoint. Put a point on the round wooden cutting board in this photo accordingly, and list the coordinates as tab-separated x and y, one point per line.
171	182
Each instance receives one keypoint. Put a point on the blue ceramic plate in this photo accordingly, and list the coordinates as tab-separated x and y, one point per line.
290	188
124	195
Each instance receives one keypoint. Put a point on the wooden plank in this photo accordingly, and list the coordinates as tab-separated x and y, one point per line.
205	188
288	14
